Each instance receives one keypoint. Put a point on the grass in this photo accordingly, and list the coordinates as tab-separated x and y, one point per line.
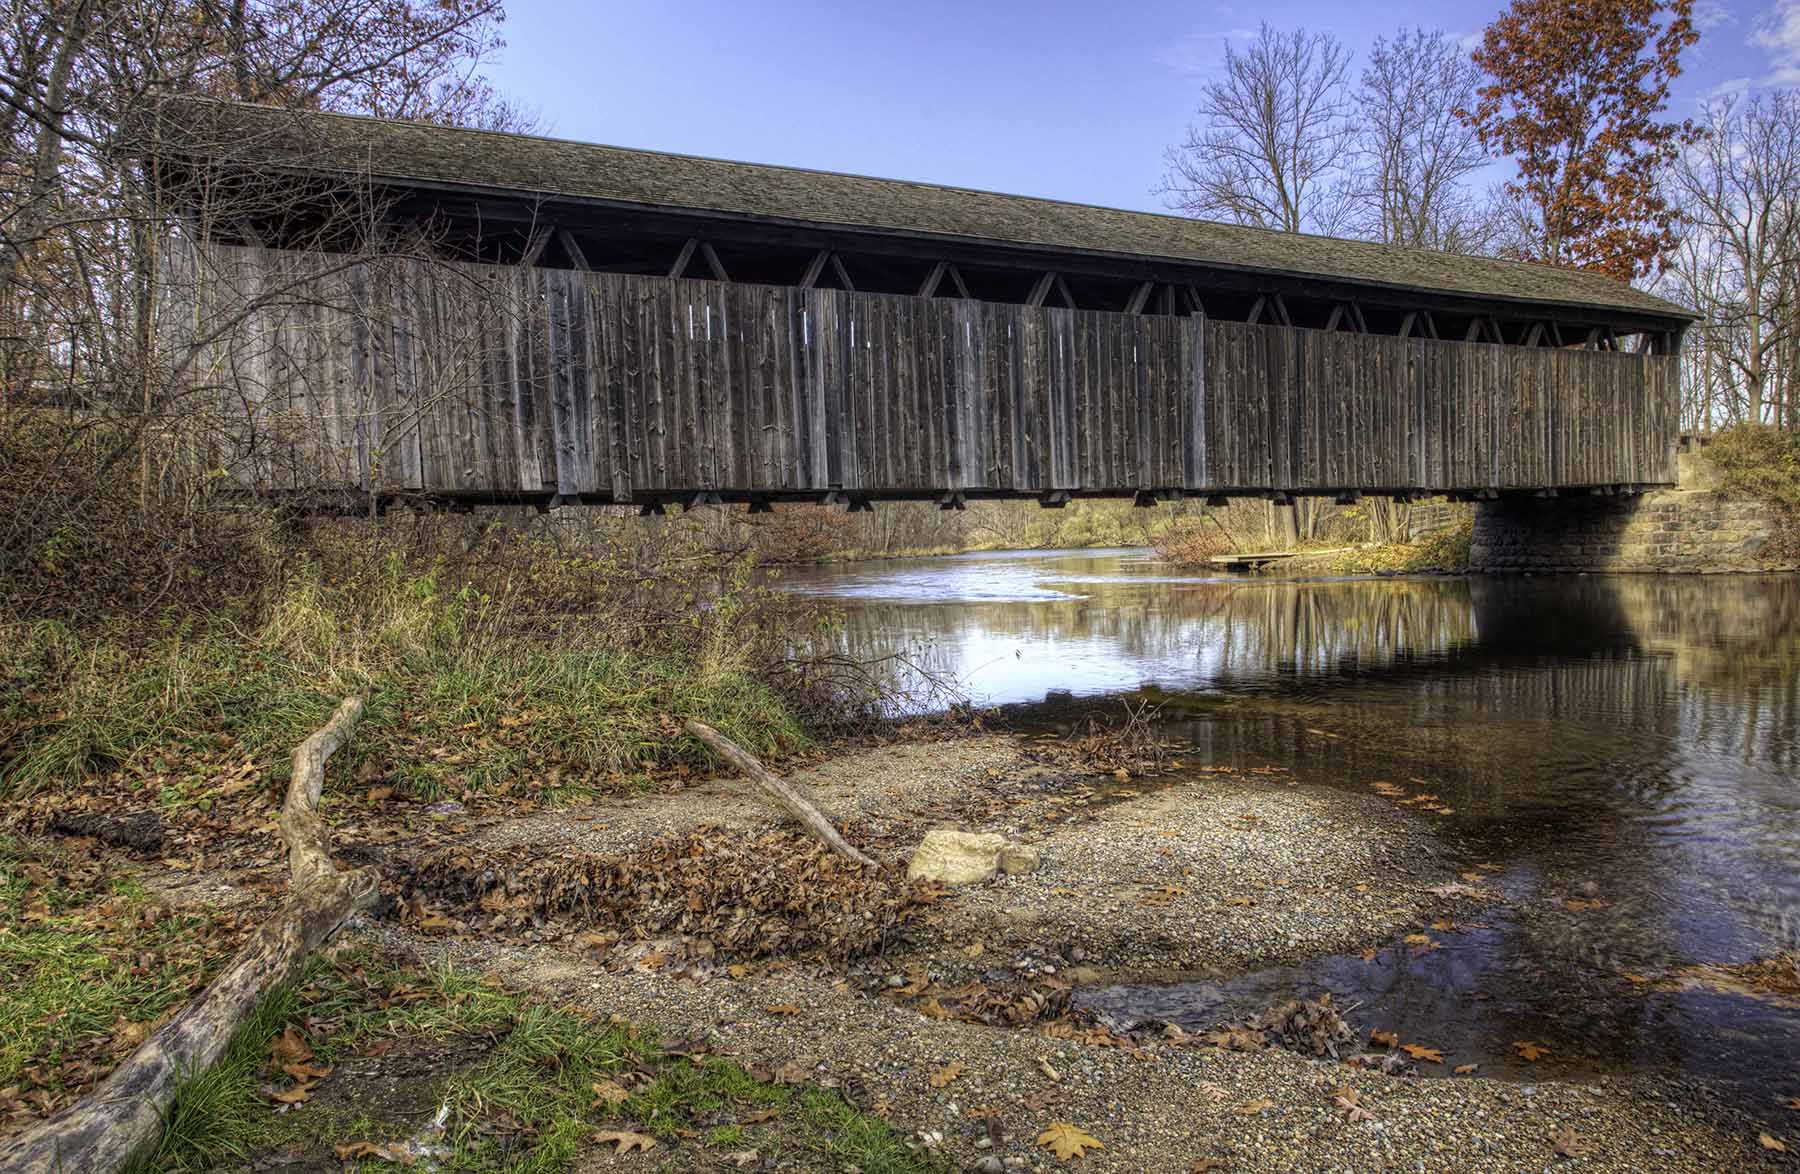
1446	550
456	699
526	1103
87	966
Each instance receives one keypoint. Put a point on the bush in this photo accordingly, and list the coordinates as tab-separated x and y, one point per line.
1193	541
1764	464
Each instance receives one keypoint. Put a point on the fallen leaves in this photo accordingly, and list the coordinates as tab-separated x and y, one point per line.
289	1047
352	1151
1067	1141
1253	1108
625	1140
1349	1103
1464	1069
1567	1143
782	1009
1529	1051
609	1093
948	1073
1421	1052
1386	1039
1770	1142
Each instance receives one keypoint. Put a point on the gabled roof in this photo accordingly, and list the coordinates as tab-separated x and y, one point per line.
427	155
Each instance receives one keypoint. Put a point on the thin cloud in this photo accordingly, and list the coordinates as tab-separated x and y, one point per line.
1777	32
1200	54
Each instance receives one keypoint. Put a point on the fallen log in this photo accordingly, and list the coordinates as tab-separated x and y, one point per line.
123	1115
788	796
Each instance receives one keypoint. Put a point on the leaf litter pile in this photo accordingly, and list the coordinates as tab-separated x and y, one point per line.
735	895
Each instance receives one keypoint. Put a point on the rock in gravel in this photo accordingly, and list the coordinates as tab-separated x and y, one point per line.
967	858
1016	859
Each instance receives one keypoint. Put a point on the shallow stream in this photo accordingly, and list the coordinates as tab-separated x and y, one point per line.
1622	752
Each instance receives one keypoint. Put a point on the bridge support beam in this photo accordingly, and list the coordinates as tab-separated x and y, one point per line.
1547	533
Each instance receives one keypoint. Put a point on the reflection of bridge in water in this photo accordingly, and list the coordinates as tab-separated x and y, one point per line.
1627	739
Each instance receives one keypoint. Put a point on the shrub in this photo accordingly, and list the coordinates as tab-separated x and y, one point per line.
1764	464
1192	541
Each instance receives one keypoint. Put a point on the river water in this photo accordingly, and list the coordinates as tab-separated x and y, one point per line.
1630	744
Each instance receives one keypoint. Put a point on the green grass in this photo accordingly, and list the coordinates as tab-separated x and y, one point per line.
456	700
1446	550
83	957
528	1105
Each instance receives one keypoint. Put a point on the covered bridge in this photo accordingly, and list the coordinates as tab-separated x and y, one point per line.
399	308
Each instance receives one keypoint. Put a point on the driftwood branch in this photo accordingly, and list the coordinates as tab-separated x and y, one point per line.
124	1114
785	793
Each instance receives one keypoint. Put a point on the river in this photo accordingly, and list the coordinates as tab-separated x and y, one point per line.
1621	750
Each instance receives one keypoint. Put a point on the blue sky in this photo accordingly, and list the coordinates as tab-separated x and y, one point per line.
1074	101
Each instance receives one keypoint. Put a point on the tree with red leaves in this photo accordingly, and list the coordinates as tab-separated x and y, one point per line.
1574	91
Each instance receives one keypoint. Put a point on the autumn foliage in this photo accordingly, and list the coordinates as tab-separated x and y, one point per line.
1574	93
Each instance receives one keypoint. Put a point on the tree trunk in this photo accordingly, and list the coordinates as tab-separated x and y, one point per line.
784	793
123	1116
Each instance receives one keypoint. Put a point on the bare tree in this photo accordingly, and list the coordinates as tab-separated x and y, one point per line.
1739	264
1274	131
91	384
1413	156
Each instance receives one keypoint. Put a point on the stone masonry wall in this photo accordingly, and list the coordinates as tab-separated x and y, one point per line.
1692	528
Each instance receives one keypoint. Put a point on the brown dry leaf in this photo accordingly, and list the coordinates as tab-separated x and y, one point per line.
1370	953
1568	1143
1203	1165
1529	1051
306	1073
1421	1052
625	1140
1387	1039
290	1096
391	1152
743	1158
1212	1091
1443	925
290	1047
1793	1103
1252	1108
947	1073
1771	1143
1067	1141
610	1092
782	1009
757	1117
1349	1103
792	1072
1464	1069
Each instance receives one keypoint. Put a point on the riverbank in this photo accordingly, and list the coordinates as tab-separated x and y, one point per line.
964	1040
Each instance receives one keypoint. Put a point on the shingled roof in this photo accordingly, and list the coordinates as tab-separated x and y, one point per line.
427	155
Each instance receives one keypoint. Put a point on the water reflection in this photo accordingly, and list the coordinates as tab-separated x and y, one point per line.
1628	743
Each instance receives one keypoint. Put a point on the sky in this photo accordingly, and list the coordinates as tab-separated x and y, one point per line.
1067	100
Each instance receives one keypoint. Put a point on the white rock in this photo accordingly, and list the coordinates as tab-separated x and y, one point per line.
956	858
1019	858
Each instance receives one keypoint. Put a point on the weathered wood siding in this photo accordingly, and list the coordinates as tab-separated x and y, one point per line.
470	379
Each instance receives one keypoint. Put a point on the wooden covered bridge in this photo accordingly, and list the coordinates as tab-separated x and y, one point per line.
393	308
